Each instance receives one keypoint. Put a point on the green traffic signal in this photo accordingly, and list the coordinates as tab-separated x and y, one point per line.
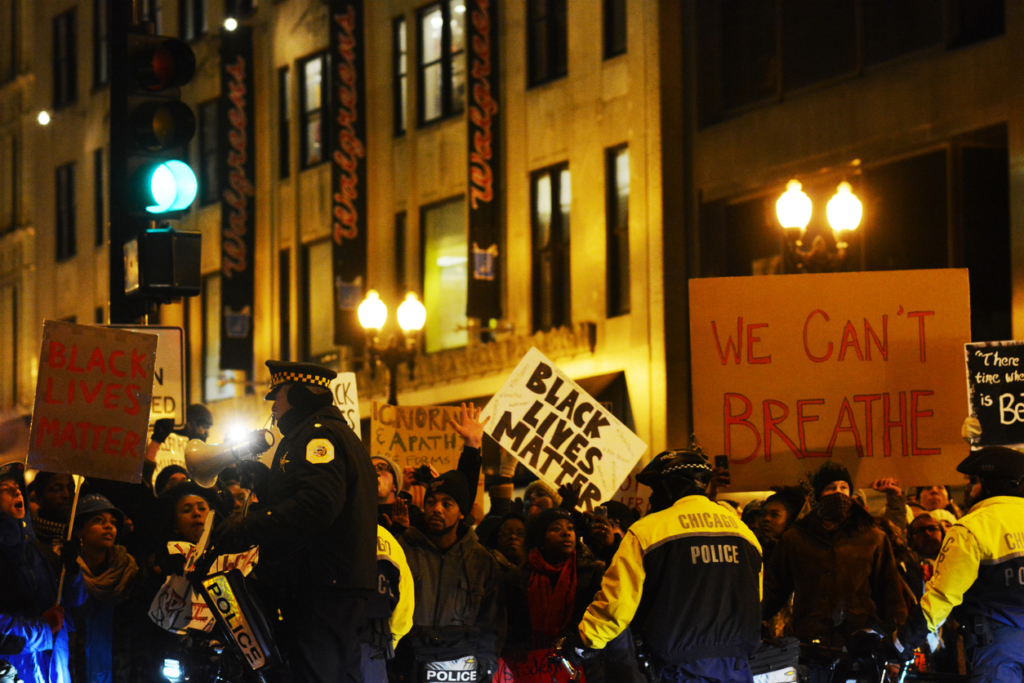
170	186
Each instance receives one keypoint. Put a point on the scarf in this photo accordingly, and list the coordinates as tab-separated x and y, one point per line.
50	533
113	584
835	507
551	594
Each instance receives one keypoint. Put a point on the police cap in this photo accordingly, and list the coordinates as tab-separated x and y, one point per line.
680	465
284	372
994	461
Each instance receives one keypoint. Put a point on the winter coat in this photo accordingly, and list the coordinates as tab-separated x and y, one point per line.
28	587
99	634
460	587
842	580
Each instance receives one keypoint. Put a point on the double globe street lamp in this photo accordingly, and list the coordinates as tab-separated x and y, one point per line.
401	347
844	212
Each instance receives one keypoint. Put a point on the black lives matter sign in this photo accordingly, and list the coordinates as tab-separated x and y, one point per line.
995	387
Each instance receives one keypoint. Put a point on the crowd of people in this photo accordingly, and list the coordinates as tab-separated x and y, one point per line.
360	583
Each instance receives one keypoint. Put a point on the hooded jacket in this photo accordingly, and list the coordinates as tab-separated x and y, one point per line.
842	580
28	587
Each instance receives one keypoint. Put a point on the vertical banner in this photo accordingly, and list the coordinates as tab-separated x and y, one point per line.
484	296
238	201
347	96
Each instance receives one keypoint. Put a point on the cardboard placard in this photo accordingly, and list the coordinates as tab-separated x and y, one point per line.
863	368
418	435
345	398
558	431
93	393
995	389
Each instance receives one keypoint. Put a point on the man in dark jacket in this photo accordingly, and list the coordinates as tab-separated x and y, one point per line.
838	566
316	526
459	620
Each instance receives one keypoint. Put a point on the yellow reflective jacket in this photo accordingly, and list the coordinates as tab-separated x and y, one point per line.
689	580
391	562
980	569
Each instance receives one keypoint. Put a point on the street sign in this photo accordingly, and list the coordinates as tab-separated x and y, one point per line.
169	397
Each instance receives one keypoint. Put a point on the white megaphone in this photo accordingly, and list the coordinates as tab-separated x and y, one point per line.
205	461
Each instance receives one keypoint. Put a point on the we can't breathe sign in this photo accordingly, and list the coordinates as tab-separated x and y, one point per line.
863	368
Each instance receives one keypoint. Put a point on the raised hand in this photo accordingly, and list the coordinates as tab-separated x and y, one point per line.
471	430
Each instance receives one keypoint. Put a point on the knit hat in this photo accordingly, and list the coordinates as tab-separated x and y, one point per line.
393	466
165	474
791	498
452	483
93	503
538	526
544	489
828	473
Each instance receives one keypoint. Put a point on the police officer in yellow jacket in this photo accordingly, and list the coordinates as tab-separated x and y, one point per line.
390	610
687	577
979	573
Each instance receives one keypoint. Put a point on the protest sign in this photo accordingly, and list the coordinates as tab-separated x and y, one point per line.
995	389
92	401
344	389
169	398
560	432
418	435
862	368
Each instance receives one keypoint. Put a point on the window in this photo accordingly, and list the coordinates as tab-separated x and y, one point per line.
547	40
442	66
98	316
97	196
217	384
313	96
401	284
284	301
8	182
9	341
192	19
319	297
153	12
100	43
238	8
614	28
401	76
65	77
617	227
66	211
284	114
209	163
445	273
550	199
9	41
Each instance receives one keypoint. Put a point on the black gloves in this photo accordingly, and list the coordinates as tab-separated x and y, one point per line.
162	429
230	535
572	649
252	474
570	496
173	564
69	555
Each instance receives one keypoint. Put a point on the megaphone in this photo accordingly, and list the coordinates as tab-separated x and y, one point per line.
205	461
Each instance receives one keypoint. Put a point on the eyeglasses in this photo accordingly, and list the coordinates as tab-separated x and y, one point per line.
381	468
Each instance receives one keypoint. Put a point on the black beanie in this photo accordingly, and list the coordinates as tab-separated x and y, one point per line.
452	483
828	473
538	526
165	474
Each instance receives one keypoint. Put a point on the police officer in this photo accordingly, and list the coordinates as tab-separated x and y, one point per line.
979	573
687	576
316	526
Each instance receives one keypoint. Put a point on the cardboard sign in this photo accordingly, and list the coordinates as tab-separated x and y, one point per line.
92	401
418	435
560	432
862	368
344	389
169	399
995	389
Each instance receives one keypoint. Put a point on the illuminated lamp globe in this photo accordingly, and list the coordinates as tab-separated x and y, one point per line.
372	312
844	209
794	207
43	118
412	315
230	23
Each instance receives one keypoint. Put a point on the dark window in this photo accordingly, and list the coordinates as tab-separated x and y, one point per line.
65	76
8	41
239	8
819	40
614	28
65	185
550	199
401	285
284	298
217	384
313	103
9	342
547	40
8	182
401	86
100	43
284	113
975	20
153	12
442	65
192	19
209	162
98	316
892	28
99	217
617	175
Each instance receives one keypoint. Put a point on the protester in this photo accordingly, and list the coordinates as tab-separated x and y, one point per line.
33	626
109	573
539	497
838	566
925	536
394	507
459	621
55	494
934	498
510	545
607	529
687	577
778	513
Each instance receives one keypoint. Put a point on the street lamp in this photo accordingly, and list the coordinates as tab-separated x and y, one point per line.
401	348
793	208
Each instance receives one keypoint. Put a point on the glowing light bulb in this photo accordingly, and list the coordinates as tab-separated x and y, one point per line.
844	209
794	207
372	312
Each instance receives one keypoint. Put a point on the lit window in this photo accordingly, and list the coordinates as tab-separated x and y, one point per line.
551	198
442	64
319	299
401	76
617	225
217	384
445	274
313	103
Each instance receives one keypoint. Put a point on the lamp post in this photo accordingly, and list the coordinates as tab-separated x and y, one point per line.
401	347
844	212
